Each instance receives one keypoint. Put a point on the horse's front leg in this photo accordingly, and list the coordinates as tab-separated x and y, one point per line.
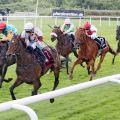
17	83
78	61
56	82
91	65
36	85
67	65
4	70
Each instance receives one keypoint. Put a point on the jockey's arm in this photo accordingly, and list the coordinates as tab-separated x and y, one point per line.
40	38
71	27
62	28
8	37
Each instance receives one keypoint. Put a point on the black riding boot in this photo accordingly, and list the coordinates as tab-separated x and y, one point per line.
98	42
40	55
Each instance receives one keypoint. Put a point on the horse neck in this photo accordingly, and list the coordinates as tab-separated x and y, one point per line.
24	57
61	40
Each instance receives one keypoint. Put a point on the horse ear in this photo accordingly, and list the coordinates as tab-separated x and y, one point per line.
50	26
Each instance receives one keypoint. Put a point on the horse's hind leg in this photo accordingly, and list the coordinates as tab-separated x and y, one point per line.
17	83
56	82
36	84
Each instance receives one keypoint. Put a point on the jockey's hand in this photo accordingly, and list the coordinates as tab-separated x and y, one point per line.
64	33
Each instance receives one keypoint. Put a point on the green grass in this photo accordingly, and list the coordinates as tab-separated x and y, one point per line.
96	103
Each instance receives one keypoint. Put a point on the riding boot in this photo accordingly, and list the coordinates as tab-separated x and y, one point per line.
30	49
98	42
40	55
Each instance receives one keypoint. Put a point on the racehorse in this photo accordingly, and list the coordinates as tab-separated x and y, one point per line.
88	52
64	44
118	39
5	62
29	70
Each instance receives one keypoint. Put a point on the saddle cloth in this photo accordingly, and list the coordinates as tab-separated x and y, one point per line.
42	55
101	42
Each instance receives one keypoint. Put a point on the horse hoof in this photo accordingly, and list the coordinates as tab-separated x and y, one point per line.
52	100
70	77
10	79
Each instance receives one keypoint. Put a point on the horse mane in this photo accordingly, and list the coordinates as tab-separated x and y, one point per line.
58	27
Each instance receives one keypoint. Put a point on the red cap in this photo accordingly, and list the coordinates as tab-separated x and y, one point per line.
2	26
87	25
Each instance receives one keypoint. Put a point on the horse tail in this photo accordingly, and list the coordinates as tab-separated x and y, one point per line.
112	51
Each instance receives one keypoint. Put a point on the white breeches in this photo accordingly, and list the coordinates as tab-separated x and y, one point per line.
40	45
32	44
93	36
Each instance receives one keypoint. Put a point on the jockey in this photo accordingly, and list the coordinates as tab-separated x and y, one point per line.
33	37
68	28
91	31
9	31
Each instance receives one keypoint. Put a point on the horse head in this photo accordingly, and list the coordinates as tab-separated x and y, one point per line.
14	46
80	37
56	33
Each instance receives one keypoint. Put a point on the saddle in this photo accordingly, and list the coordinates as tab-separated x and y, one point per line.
71	39
42	55
101	42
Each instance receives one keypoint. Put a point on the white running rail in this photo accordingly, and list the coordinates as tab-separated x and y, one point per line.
19	104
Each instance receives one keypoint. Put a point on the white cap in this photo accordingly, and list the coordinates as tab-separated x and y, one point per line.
28	26
67	21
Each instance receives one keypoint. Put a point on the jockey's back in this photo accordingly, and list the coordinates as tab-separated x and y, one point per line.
8	28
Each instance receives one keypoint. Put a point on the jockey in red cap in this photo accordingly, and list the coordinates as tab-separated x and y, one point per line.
91	30
8	30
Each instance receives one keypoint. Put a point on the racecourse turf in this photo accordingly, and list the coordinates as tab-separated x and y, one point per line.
96	103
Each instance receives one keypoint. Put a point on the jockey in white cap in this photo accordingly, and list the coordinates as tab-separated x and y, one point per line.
33	37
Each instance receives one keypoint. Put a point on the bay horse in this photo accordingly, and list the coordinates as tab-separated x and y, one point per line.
88	52
28	69
5	62
64	45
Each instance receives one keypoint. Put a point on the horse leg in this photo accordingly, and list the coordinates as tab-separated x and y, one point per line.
36	85
4	70
67	64
16	83
56	82
75	53
117	52
100	61
92	73
78	61
0	77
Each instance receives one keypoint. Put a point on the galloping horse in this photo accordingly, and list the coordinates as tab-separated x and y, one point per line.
64	45
29	70
88	52
5	62
118	39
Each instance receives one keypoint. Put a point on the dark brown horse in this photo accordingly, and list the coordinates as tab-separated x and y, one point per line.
5	62
118	46
64	45
29	70
88	52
